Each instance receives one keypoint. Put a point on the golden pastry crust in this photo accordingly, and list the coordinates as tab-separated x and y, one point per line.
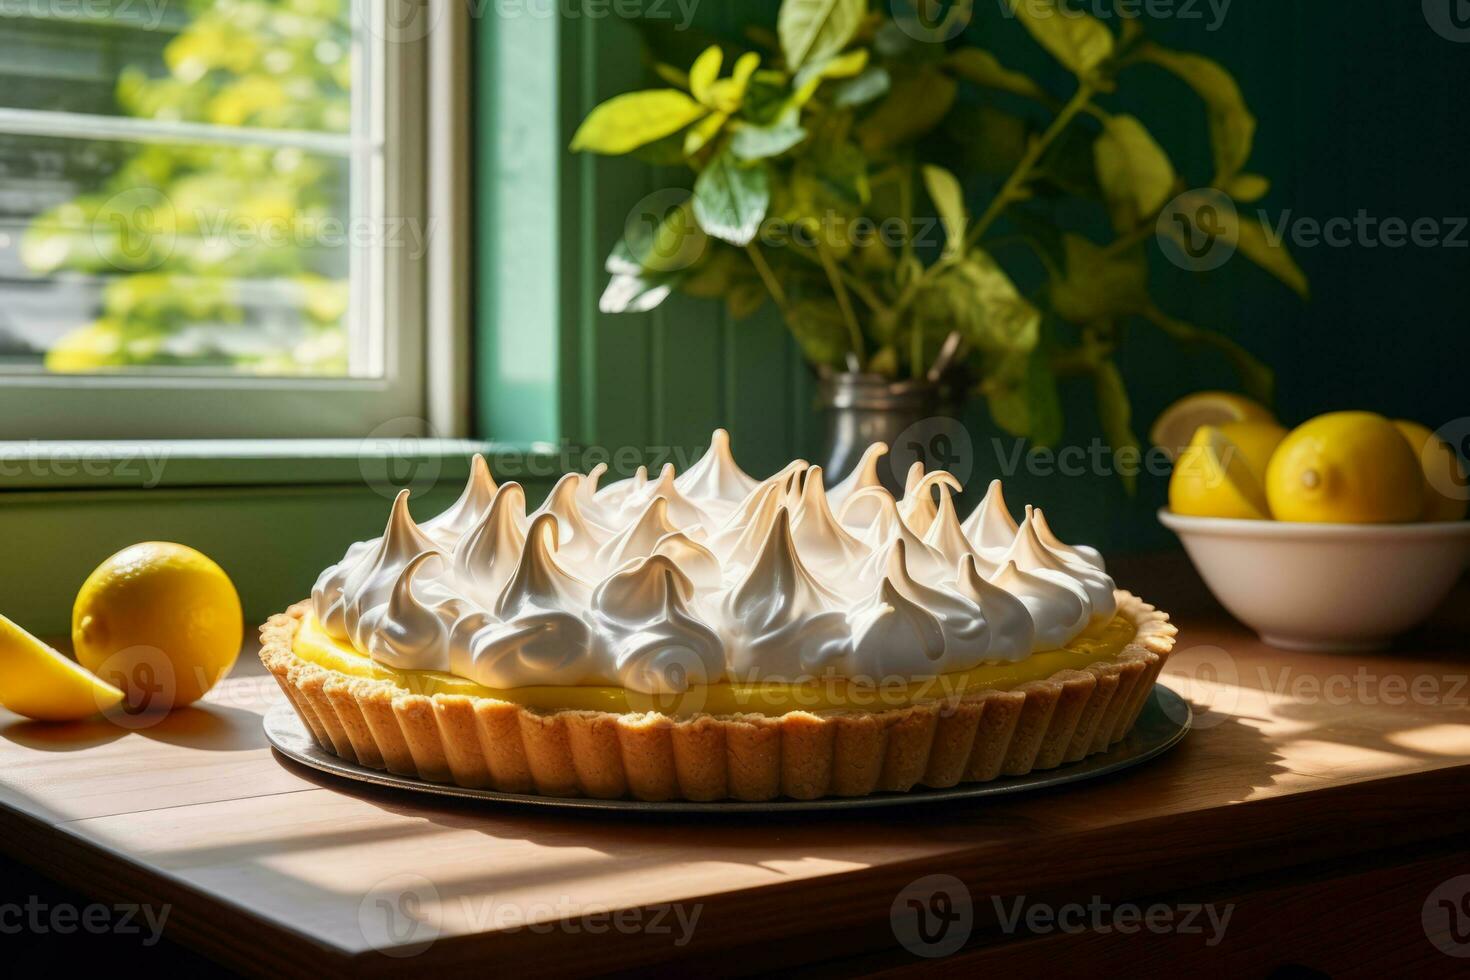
487	743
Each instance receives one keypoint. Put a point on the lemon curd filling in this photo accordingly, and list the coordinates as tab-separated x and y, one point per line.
316	646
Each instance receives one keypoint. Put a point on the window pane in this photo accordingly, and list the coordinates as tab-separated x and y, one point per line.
182	188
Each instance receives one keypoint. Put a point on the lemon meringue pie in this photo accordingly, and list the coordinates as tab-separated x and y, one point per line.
706	635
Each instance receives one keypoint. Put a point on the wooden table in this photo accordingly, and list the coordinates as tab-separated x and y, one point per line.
1318	803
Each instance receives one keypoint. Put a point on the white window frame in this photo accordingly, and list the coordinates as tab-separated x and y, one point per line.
419	311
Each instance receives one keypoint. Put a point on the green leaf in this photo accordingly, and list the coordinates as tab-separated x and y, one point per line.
1133	170
730	200
844	65
820	331
884	362
975	296
718	273
811	30
744	299
1273	257
1021	392
984	69
915	104
704	71
698	136
1247	188
626	122
949	200
635	293
1078	40
727	94
1116	415
863	89
1098	285
1232	127
759	142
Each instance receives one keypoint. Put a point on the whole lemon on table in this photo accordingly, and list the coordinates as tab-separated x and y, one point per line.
1445	494
159	620
1345	467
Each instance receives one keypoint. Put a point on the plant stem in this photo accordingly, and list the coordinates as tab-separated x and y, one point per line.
763	269
1028	160
916	352
844	302
906	205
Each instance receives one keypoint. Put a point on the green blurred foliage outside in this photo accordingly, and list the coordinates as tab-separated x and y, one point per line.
219	256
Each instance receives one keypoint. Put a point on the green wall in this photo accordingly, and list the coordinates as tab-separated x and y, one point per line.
1358	108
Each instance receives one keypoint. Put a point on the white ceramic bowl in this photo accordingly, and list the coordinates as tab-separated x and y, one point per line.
1325	586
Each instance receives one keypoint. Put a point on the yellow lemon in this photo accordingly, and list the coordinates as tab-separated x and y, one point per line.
159	620
1212	479
1176	425
1445	488
1347	467
40	683
1256	442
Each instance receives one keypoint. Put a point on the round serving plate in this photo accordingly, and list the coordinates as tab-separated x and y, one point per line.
1161	725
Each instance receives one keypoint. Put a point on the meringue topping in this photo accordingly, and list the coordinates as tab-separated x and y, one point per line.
657	585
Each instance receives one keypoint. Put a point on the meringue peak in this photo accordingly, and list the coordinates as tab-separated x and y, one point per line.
465	512
716	476
990	526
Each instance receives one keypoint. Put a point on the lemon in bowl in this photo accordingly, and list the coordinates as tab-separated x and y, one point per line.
1333	536
1345	468
161	621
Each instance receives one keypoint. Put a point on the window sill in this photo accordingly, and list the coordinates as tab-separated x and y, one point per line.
146	465
273	513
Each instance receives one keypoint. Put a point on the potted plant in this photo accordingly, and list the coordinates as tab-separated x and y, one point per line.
821	184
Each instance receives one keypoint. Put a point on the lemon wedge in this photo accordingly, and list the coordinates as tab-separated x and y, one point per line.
1444	477
1256	442
1345	467
1213	479
39	682
1176	425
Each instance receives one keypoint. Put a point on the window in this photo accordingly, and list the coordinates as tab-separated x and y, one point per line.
213	218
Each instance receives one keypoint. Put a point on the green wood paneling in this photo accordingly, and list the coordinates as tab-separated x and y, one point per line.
1358	109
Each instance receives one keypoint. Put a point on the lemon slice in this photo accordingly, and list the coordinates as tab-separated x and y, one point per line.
1256	442
41	683
1176	425
1212	479
1346	467
1444	477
